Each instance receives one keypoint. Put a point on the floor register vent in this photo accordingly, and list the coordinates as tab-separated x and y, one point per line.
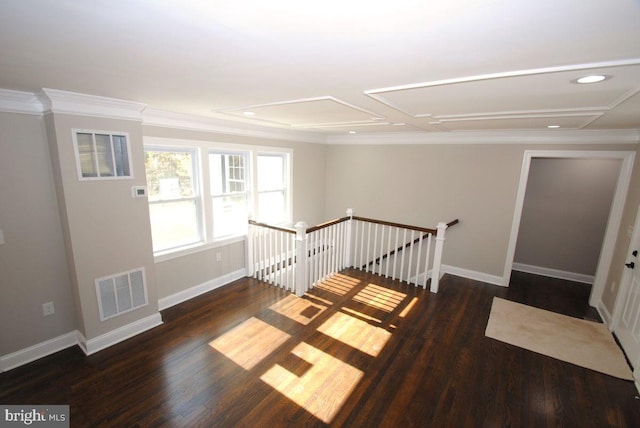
120	293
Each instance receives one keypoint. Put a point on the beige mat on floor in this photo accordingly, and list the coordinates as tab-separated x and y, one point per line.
584	343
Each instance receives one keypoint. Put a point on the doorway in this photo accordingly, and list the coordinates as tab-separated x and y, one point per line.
613	223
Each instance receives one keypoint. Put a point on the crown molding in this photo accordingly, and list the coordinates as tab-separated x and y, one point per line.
615	136
57	101
89	105
154	117
19	102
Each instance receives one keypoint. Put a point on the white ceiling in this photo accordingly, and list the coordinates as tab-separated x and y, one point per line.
339	65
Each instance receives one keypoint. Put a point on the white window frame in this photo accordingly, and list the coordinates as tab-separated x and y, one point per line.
206	147
196	161
286	190
246	154
111	134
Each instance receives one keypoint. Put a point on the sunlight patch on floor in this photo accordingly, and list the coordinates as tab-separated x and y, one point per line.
338	284
408	308
297	309
356	333
250	342
379	297
322	389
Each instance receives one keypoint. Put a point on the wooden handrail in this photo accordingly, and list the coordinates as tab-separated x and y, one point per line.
342	219
408	244
268	226
405	226
327	224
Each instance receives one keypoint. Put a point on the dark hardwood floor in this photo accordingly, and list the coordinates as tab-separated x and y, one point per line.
359	351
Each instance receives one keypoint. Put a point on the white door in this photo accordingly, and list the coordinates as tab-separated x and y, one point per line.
626	316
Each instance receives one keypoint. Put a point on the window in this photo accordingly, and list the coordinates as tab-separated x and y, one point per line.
229	193
272	184
101	155
202	202
174	201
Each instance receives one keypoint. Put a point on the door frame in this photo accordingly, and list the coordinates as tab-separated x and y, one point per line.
625	279
613	223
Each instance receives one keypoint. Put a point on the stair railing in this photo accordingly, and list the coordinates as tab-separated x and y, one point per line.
298	259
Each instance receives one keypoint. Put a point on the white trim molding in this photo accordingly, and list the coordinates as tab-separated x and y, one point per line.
615	215
549	136
57	101
470	274
19	102
195	291
118	335
168	119
37	351
554	273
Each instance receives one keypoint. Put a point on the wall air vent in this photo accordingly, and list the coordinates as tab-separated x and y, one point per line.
120	293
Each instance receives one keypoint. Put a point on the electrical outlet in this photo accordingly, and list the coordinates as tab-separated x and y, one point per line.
218	257
48	309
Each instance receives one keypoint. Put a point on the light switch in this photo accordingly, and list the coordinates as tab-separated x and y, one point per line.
1	237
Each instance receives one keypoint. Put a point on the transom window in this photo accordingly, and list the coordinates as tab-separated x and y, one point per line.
102	155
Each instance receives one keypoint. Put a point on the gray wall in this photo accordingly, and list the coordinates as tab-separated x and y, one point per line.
565	213
181	273
106	230
425	184
33	264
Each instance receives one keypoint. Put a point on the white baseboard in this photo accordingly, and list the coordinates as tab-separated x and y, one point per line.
190	293
37	351
470	274
554	273
118	335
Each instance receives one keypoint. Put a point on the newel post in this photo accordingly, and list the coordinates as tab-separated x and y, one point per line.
347	238
250	270
301	258
437	257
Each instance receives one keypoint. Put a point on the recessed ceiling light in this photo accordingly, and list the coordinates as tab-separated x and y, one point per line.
592	78
352	132
553	126
248	113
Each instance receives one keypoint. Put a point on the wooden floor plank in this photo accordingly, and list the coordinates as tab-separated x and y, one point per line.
358	351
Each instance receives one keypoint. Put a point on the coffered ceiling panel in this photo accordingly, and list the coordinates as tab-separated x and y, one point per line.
307	113
532	91
518	122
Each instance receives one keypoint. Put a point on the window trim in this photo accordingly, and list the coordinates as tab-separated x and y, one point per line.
205	147
196	161
76	151
287	173
248	192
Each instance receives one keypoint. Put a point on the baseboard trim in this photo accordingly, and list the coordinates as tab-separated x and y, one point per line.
37	351
121	334
470	274
195	291
554	273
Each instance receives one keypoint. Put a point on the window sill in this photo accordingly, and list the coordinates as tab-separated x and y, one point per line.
196	248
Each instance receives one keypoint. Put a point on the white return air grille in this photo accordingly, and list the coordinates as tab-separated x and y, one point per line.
120	293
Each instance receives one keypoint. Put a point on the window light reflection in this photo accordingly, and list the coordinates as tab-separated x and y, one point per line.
250	342
356	333
322	389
